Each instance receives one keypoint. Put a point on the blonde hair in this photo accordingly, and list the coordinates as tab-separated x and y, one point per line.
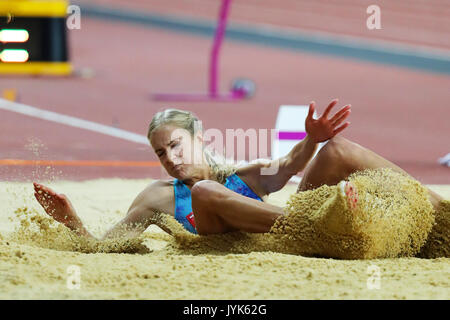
188	121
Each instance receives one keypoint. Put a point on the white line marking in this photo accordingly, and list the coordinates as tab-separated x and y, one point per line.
72	121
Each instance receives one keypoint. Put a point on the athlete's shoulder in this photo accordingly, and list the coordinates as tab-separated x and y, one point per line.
158	195
159	188
164	184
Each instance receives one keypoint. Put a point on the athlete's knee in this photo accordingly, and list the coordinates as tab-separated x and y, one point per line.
205	191
202	187
335	149
206	197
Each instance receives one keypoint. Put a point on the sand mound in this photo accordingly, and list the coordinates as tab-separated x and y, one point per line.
184	242
42	231
438	241
393	219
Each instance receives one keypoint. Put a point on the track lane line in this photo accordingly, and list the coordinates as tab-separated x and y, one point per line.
78	163
72	121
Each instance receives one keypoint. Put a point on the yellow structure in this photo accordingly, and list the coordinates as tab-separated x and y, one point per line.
34	8
22	48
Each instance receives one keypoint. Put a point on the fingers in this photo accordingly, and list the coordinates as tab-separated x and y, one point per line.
336	131
312	108
340	113
39	192
330	106
43	189
338	120
44	195
38	197
43	201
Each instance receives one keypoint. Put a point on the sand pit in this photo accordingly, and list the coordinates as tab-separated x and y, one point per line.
158	267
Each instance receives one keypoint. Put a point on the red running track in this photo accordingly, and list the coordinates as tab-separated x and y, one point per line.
417	22
399	113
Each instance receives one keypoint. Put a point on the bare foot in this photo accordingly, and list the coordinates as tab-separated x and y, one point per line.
56	205
350	192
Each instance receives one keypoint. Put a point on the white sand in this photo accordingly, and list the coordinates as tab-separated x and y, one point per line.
37	273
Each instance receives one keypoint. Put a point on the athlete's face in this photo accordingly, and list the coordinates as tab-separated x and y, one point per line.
178	152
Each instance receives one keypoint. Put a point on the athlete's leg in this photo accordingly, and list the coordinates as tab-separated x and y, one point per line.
219	210
339	158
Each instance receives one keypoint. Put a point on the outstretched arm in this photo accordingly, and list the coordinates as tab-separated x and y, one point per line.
59	207
141	213
271	176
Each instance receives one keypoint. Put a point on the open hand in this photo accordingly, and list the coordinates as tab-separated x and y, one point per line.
322	129
58	206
